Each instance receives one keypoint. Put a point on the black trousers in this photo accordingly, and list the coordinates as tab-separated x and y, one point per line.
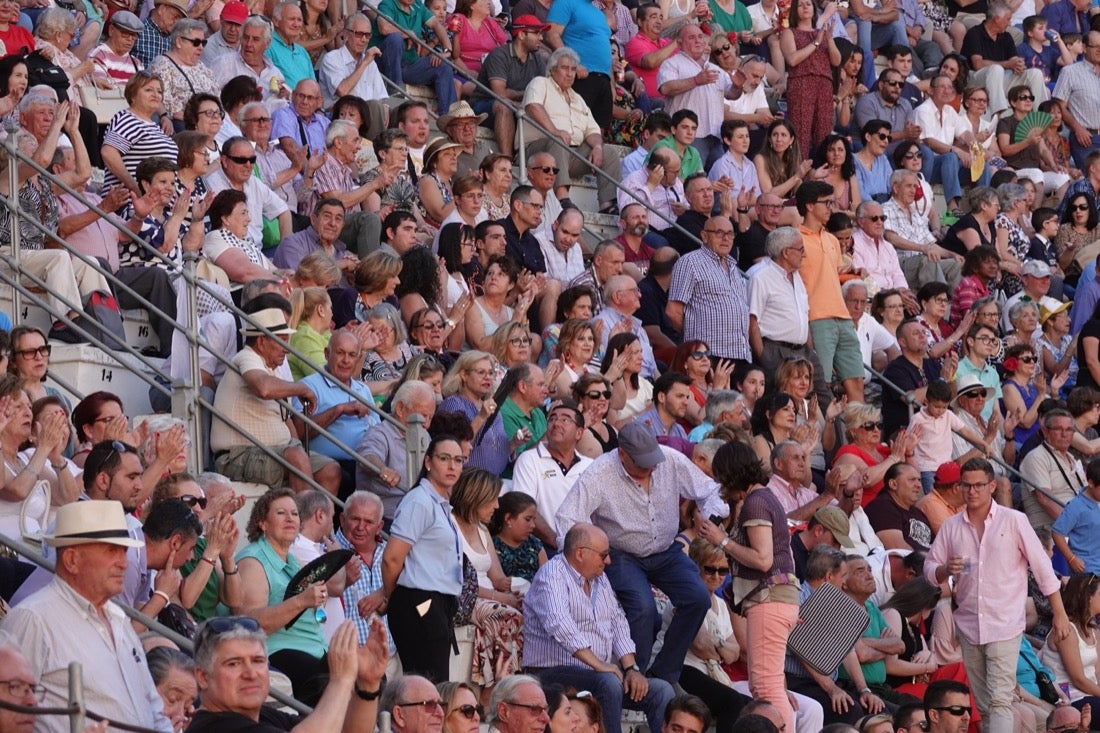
806	686
308	674
423	642
725	703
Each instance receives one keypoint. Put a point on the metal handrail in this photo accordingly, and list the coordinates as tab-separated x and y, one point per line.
521	119
35	556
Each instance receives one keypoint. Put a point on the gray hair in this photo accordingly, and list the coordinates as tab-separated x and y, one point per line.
719	401
708	448
392	693
413	390
980	195
53	22
31	98
562	53
900	175
997	9
779	239
1019	307
187	25
847	286
1010	194
277	11
616	284
337	129
390	315
822	561
163	659
249	109
209	479
258	21
312	500
157	424
605	244
352	18
362	497
207	643
861	210
781	449
504	691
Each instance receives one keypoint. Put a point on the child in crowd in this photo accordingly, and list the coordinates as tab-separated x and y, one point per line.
1037	53
937	424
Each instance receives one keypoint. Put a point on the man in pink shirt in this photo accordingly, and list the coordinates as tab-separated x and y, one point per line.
986	549
647	50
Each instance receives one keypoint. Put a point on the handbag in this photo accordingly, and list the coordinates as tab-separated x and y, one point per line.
105	103
1048	691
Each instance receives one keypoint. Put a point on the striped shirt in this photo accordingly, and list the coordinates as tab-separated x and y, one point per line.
716	302
560	619
109	65
136	140
370	580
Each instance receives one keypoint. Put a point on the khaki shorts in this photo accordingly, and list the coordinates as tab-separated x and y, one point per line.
252	464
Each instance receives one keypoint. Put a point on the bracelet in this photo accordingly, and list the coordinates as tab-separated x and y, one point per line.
367	694
163	595
235	571
204	558
724	542
58	468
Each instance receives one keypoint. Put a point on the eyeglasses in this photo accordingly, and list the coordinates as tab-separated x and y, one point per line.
769	206
536	709
956	710
877	218
191	500
872	425
894	83
723	233
448	458
250	160
479	372
212	113
540	207
32	353
469	711
831	203
604	554
196	42
433	326
986	339
1025	98
545	169
1080	207
520	341
107	418
428	705
257	120
699	354
359	34
19	689
721	570
593	395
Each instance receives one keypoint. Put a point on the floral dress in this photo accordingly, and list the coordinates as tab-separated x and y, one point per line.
624	132
1018	245
519	562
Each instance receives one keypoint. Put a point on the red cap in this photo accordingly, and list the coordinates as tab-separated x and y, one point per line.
235	12
528	23
948	473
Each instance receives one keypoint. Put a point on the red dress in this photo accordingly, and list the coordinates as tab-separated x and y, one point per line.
869	492
810	94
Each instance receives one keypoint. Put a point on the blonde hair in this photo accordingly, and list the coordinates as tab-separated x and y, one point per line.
304	301
499	344
857	413
452	382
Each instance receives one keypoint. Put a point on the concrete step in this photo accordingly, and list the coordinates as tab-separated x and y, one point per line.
88	369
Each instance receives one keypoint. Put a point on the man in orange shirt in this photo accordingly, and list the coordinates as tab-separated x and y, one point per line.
833	335
946	497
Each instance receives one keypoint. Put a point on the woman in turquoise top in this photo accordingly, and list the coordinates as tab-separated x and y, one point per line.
311	314
266	567
731	16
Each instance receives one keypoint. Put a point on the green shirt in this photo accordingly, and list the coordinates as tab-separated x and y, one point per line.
690	162
305	633
412	21
514	419
207	604
737	21
312	345
874	673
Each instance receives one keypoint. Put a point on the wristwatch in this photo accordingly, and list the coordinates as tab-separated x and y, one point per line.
632	668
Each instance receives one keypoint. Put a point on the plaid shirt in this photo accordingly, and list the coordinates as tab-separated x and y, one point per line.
151	43
716	302
370	580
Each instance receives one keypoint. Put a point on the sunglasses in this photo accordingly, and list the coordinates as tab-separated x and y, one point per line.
257	120
191	500
1076	207
721	570
428	705
894	83
223	624
723	49
956	710
700	354
250	160
872	425
876	218
605	395
1025	98
468	711
545	169
884	136
911	156
196	42
1027	359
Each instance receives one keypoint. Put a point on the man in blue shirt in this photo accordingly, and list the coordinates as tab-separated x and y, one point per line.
1075	530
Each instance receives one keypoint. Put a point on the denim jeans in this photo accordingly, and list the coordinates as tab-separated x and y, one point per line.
678	577
609	692
421	71
878	35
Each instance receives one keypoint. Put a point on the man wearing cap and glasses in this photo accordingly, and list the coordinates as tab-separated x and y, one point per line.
228	38
231	668
1036	277
113	58
507	70
251	401
72	620
570	597
633	494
